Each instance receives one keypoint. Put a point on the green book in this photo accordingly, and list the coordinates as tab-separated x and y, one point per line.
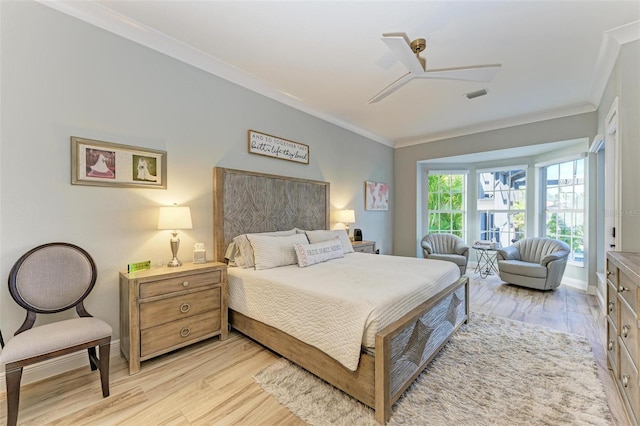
139	266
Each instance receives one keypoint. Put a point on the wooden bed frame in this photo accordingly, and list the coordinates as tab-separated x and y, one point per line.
246	202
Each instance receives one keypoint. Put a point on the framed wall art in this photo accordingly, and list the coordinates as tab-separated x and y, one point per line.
273	146
101	163
376	196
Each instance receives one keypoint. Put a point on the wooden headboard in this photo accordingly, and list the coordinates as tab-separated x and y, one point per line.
249	202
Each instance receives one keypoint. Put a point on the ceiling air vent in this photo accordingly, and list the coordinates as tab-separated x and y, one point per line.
475	94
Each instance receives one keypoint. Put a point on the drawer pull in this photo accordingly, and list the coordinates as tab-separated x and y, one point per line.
625	330
625	380
185	284
185	307
185	331
610	345
609	273
622	288
611	306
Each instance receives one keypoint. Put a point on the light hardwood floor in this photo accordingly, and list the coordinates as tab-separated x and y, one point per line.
212	382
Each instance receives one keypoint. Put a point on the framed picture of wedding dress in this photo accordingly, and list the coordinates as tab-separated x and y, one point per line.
100	163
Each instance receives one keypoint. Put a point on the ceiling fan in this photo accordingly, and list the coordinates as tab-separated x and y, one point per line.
408	52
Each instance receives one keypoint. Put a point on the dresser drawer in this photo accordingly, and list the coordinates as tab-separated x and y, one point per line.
629	381
172	285
178	333
177	307
629	331
613	348
612	301
628	290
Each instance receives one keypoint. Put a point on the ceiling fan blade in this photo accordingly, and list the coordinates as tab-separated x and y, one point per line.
392	87
399	44
483	73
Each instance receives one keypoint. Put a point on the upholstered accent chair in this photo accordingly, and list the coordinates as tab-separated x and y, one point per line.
534	262
447	247
52	278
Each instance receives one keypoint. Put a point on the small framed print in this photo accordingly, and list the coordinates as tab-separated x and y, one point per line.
376	196
101	163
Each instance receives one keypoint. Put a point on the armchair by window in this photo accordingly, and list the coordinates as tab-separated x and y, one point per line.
534	262
447	247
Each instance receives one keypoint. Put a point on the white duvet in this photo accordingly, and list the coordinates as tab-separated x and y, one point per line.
339	305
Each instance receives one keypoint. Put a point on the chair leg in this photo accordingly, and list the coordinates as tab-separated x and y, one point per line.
92	358
13	377
104	368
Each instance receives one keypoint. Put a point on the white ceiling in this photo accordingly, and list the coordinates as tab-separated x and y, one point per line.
327	58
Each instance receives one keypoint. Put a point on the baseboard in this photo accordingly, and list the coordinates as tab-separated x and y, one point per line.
53	367
572	282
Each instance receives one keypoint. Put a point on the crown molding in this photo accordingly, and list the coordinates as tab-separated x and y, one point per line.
609	50
105	18
102	17
501	124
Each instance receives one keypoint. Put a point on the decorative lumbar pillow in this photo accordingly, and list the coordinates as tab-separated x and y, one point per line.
310	254
271	252
321	235
246	258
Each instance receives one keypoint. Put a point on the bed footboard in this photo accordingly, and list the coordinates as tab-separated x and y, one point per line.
404	348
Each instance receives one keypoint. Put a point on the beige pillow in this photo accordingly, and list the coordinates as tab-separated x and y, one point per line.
246	259
271	252
321	235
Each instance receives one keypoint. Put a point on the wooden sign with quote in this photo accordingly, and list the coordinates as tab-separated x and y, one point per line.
273	146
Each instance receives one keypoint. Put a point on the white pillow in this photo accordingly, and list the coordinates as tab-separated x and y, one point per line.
321	235
310	254
271	252
246	258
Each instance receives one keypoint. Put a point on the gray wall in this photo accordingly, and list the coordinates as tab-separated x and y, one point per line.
61	77
625	84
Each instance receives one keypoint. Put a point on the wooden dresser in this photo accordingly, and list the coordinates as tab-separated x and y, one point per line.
623	281
167	308
364	246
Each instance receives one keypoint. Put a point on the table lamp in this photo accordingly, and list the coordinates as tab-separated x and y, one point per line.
174	218
346	217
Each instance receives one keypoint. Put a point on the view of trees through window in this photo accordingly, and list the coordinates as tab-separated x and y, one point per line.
446	203
564	208
502	196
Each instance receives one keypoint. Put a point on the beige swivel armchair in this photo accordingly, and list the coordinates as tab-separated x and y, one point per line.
534	262
53	278
447	247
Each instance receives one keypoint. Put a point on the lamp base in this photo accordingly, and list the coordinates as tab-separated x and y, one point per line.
174	262
175	244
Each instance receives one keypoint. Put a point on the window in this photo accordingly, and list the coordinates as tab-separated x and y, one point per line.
446	192
502	205
564	207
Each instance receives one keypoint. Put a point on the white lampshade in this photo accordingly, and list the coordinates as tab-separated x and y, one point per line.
174	218
345	216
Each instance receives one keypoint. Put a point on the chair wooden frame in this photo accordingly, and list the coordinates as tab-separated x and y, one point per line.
14	369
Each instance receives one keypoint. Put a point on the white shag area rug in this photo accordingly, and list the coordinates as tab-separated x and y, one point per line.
494	371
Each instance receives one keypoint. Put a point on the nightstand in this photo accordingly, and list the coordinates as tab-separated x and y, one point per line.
166	308
364	246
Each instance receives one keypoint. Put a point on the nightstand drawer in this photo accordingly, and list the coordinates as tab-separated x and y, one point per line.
363	246
178	333
172	285
173	308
